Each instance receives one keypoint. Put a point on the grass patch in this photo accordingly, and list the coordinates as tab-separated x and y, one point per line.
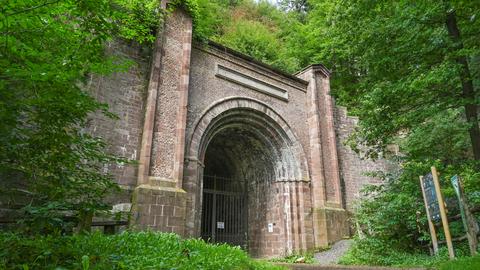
375	253
129	250
296	258
465	263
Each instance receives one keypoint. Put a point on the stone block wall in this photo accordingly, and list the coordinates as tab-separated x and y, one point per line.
159	206
124	92
168	131
159	202
337	224
286	206
206	89
265	207
353	167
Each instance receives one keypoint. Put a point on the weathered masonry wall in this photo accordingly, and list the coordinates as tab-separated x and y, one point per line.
159	202
125	94
353	168
266	207
171	100
218	77
207	88
281	134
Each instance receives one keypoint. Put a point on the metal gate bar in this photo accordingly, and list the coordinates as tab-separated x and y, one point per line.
224	211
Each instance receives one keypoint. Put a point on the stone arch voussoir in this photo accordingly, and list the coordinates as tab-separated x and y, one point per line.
293	155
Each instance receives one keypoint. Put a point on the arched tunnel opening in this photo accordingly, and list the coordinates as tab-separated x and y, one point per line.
239	168
251	164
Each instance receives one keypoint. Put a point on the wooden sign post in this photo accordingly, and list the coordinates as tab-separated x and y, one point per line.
469	221
431	226
443	213
435	207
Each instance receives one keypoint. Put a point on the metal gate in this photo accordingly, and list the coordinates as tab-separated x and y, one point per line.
224	211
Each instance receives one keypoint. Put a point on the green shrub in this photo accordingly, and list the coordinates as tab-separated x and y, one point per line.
371	251
465	263
129	250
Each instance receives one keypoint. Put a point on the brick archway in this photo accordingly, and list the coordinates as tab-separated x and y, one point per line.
189	108
254	112
258	127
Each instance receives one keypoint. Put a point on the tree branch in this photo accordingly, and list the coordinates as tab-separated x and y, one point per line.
33	8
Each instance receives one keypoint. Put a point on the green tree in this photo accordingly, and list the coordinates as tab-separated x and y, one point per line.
299	7
47	49
259	29
409	70
397	64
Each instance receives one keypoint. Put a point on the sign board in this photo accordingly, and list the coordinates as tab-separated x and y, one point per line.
456	185
469	221
435	207
431	197
270	227
220	225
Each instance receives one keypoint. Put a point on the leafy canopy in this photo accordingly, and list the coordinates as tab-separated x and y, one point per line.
395	63
47	49
398	65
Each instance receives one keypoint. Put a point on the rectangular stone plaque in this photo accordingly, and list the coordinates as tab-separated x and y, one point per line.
220	225
250	82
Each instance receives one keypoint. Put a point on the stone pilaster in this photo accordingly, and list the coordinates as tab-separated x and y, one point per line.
329	217
159	205
170	118
159	202
150	110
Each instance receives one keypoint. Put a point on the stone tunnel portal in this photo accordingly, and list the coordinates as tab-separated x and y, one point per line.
216	121
239	166
242	188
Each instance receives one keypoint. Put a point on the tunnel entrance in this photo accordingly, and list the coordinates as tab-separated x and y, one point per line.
246	178
224	210
238	167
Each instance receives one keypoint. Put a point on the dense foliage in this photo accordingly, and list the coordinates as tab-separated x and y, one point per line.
410	70
399	66
462	263
413	81
48	48
144	250
258	29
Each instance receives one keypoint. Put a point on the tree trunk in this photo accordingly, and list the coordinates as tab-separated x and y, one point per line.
468	92
85	221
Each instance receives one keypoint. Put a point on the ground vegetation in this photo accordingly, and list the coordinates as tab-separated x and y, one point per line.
410	71
141	250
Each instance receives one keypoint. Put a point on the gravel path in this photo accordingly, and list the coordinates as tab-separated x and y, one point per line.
332	255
